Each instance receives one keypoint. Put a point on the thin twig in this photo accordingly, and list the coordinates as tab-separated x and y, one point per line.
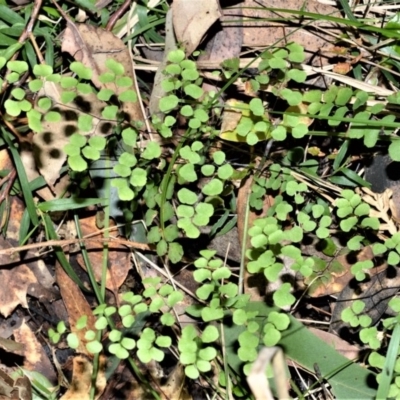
117	15
29	28
68	242
9	180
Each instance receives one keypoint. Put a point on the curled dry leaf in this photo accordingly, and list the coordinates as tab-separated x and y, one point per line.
273	358
192	20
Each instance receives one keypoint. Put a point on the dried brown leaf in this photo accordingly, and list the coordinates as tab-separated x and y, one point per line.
76	305
17	281
23	387
174	388
118	257
6	385
342	68
335	279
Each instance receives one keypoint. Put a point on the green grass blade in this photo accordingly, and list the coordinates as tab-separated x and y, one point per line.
24	228
68	204
341	155
353	176
23	179
389	33
10	16
347	10
88	264
347	378
10	50
391	357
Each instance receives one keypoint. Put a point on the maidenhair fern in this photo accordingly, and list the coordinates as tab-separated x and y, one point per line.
184	192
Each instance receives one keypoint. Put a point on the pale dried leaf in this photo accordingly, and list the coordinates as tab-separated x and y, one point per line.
231	115
226	42
257	379
382	204
133	17
82	379
17	281
174	388
261	32
49	144
192	20
36	358
93	46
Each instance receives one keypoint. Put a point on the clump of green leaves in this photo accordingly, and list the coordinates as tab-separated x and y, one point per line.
55	335
181	196
216	288
195	352
353	315
158	299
